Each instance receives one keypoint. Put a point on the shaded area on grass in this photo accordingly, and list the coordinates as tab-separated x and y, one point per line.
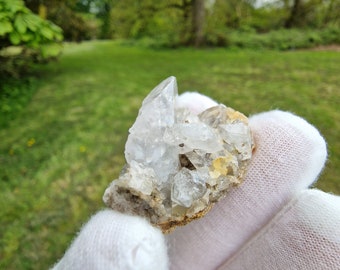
67	145
15	94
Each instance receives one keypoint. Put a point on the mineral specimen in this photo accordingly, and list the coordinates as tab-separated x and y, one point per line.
179	164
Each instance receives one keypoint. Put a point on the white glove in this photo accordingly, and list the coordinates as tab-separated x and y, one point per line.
112	240
272	221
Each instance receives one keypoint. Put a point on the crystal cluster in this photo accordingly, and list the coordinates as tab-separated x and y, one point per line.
178	163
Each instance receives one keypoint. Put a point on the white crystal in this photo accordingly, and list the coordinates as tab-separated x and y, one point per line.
187	186
137	171
145	144
237	136
187	136
178	163
198	158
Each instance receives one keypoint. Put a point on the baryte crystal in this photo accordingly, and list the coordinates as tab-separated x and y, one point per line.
179	164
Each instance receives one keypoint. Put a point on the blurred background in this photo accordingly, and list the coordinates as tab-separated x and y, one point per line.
73	75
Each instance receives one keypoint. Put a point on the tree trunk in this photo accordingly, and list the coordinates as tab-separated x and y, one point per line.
294	14
198	19
106	17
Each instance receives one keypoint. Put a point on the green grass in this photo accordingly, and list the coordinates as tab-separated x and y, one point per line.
59	154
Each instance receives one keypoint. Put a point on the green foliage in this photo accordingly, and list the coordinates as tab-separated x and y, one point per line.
248	38
19	26
245	22
68	143
167	28
73	16
215	30
35	36
266	19
170	23
165	22
76	26
284	39
330	35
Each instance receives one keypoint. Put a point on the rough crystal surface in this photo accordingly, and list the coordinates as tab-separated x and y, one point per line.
178	163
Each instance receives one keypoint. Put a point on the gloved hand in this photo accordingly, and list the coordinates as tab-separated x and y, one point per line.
271	221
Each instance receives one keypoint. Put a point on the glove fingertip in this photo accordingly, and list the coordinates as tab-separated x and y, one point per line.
112	240
296	131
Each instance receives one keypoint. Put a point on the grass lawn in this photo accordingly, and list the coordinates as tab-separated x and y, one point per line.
65	147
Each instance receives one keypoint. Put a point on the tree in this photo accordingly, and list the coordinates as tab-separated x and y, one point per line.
312	13
195	10
296	14
185	18
198	20
332	14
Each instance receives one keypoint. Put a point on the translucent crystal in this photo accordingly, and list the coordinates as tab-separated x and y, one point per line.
187	186
137	171
237	136
185	136
145	144
179	163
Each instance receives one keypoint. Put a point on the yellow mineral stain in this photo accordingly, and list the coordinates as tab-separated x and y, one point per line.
220	166
235	115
